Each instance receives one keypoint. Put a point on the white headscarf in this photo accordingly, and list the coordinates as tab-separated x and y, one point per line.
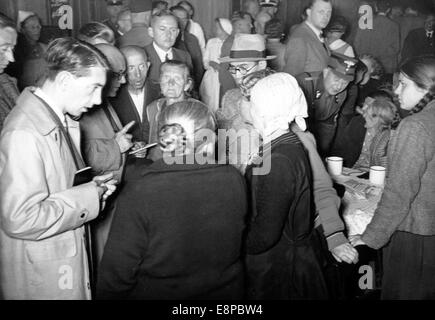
280	101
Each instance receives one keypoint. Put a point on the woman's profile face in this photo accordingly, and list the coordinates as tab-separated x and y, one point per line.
408	92
32	28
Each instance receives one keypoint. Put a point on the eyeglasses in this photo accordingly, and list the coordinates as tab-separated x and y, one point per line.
242	69
119	75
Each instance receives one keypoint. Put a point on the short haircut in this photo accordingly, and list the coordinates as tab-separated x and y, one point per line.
92	30
312	2
178	8
126	50
382	5
6	22
162	14
74	56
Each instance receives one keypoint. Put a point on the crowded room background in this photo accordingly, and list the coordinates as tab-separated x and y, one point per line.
217	150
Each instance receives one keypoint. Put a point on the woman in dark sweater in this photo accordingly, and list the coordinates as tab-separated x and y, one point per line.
281	261
177	231
404	222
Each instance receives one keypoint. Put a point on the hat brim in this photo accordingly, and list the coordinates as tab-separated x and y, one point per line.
343	76
228	59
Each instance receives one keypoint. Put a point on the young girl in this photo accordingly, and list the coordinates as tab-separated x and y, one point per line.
209	89
379	116
404	222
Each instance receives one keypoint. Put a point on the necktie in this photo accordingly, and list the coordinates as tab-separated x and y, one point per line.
167	57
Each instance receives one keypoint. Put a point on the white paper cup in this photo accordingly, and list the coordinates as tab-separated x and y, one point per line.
377	175
335	165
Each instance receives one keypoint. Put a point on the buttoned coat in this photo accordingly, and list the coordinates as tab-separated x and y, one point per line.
42	244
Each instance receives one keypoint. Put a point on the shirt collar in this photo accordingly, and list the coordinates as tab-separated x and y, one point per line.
315	30
162	53
51	104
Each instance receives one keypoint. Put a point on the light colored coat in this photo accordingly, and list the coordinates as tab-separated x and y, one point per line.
42	244
305	52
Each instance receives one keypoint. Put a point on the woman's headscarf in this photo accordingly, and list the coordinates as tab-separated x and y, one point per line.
279	99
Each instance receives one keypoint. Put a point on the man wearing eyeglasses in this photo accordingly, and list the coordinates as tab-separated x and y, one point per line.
247	56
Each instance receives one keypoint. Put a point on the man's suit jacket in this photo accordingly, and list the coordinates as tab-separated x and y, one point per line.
383	42
127	112
305	52
418	43
100	149
137	36
154	70
189	43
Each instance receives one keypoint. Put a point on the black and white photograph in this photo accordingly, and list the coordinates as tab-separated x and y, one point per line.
224	157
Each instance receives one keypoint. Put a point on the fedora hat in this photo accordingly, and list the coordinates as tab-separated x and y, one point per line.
247	48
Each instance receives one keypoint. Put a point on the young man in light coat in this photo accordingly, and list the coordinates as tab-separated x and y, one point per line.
43	252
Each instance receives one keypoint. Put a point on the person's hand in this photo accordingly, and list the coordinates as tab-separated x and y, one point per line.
138	145
106	185
355	240
123	138
345	253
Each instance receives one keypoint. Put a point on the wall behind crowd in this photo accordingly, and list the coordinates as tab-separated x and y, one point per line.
206	10
85	11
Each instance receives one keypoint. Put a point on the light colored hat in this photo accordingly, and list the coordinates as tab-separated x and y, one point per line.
247	48
226	25
23	15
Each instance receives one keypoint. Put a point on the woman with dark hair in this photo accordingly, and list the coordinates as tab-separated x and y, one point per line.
404	222
177	231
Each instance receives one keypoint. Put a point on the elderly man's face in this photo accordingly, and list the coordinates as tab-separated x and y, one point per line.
137	69
8	40
240	69
173	82
319	14
334	84
164	32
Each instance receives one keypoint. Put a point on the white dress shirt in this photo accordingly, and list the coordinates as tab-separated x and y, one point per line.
138	100
162	53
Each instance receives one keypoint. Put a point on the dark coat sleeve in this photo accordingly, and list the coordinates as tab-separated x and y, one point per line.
125	247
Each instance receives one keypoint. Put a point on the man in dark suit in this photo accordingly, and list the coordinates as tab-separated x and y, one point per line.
306	50
189	43
133	97
164	31
420	41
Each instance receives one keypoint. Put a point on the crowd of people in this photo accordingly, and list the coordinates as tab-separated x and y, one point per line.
141	160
